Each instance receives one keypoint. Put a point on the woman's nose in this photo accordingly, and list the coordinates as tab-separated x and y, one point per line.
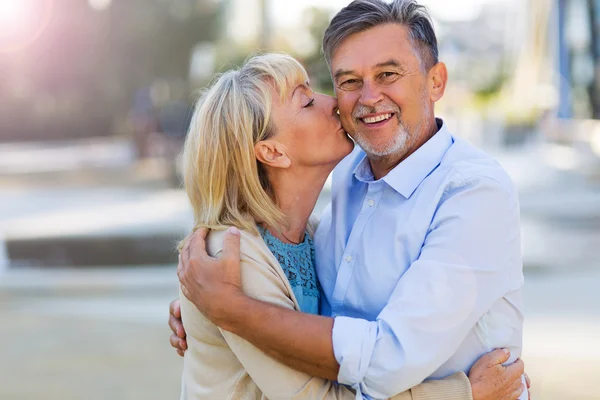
332	104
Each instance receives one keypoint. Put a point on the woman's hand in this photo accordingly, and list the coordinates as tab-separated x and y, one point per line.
177	338
490	380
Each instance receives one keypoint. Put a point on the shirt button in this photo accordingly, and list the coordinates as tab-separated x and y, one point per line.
348	258
371	202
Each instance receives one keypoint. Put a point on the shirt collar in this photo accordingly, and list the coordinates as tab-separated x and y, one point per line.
363	172
408	175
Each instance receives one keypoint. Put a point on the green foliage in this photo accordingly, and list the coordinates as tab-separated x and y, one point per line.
492	89
315	63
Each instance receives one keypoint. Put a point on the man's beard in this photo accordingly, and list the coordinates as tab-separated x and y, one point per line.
393	146
398	143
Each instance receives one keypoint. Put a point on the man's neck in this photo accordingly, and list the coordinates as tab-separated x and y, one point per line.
296	194
381	166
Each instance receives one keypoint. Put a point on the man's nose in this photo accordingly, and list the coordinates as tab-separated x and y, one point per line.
370	94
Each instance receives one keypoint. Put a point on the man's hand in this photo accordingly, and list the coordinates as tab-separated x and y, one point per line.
211	283
490	380
177	338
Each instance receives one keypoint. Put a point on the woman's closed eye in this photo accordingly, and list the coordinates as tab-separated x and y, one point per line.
310	103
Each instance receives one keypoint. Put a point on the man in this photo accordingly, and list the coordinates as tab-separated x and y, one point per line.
418	255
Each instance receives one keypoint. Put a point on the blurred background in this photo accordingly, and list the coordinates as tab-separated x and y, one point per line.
95	99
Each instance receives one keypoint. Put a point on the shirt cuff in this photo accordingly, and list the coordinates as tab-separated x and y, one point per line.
455	387
353	343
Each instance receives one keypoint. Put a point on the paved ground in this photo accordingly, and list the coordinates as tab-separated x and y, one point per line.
102	334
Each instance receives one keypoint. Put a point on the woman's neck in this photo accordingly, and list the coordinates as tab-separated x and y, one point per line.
296	193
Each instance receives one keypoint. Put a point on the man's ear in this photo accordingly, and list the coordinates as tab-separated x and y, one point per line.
272	153
437	79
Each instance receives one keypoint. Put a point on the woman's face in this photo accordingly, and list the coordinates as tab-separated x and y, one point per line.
308	126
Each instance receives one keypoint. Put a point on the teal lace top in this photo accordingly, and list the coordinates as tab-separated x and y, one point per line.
298	262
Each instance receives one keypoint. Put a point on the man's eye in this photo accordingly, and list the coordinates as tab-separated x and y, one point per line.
349	84
310	103
388	74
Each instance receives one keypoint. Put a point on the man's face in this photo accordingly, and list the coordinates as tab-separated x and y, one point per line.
382	90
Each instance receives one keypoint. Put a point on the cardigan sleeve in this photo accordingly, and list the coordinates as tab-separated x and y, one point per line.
454	387
276	380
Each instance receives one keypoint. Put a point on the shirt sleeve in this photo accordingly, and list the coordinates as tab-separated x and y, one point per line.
465	266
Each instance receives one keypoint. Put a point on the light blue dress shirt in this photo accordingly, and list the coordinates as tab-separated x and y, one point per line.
421	269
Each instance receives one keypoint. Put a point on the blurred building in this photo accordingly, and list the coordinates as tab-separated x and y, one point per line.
577	23
483	63
559	63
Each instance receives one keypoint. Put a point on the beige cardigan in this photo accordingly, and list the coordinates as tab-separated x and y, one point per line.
220	365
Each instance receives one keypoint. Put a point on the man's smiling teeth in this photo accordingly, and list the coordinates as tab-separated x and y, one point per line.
379	118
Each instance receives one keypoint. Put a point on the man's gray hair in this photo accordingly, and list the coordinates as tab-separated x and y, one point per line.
361	15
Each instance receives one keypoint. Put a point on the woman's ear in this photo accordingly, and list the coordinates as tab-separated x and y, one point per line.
272	153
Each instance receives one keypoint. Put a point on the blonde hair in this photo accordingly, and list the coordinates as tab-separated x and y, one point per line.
225	184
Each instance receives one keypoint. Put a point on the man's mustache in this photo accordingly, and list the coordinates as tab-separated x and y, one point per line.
363	111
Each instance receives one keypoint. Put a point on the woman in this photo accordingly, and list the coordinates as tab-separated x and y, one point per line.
260	147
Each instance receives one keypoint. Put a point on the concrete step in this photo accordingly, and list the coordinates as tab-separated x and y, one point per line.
92	227
150	249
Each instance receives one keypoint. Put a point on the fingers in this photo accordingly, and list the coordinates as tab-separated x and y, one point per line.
514	386
493	358
513	374
180	271
231	244
499	356
175	308
196	246
177	339
176	327
179	344
203	233
527	381
174	340
184	253
517	392
516	370
184	290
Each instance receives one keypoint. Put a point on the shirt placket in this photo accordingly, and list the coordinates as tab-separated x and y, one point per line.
346	267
